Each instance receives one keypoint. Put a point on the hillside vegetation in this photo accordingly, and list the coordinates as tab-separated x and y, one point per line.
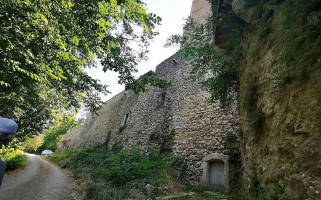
114	174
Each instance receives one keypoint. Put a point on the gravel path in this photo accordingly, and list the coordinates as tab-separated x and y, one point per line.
40	180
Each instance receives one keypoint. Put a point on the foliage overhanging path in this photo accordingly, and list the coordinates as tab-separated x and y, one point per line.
45	45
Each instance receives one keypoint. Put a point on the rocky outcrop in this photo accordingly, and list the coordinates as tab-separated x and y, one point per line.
201	9
280	102
280	118
240	9
282	143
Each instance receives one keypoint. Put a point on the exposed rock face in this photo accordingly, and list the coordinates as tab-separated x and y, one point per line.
178	119
240	10
280	119
287	146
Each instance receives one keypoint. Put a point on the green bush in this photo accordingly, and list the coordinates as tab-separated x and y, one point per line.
14	158
126	167
115	175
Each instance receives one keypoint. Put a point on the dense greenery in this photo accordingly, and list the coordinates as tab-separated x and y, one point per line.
13	155
14	158
52	137
32	143
118	175
45	45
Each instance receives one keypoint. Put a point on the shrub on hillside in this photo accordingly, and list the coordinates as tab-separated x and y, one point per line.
126	167
116	175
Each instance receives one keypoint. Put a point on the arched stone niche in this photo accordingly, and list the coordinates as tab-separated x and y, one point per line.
215	170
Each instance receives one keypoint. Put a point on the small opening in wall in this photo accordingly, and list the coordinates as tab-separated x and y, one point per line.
161	99
125	119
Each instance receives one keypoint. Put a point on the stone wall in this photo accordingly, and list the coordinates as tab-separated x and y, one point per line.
201	9
196	128
279	117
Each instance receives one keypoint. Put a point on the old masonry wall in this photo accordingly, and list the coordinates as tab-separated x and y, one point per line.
181	114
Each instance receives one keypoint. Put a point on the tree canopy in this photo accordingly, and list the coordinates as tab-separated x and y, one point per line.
45	45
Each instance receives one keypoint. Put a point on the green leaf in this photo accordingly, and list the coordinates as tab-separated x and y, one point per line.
75	40
70	4
50	44
4	83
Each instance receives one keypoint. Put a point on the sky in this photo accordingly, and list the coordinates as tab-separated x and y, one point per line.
173	14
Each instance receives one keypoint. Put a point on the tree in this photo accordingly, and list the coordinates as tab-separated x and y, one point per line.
45	45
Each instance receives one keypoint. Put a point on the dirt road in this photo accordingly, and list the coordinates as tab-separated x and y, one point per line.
40	180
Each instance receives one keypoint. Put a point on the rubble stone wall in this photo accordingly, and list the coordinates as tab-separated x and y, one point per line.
182	113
